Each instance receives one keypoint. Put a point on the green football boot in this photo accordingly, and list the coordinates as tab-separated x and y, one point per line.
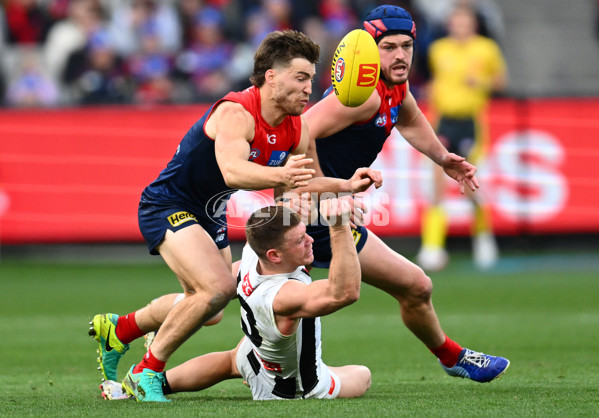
145	386
111	349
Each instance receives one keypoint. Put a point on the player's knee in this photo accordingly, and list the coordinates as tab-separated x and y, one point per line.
365	378
421	288
220	295
228	289
215	319
223	288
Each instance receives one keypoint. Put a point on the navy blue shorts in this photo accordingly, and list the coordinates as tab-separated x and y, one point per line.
154	220
458	135
322	243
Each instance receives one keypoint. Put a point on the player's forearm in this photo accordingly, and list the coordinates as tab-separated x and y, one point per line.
246	175
344	270
320	185
423	138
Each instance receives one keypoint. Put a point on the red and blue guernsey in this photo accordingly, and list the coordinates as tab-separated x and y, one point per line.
358	145
192	188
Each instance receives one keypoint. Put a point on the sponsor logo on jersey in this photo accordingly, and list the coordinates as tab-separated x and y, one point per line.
254	153
270	365
277	158
246	286
381	120
394	113
271	139
339	69
179	218
367	75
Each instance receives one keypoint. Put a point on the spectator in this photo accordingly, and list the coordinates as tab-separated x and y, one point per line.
31	87
130	20
188	10
279	12
207	59
71	34
96	74
152	68
27	22
338	17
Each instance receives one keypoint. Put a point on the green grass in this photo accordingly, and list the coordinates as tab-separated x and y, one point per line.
542	312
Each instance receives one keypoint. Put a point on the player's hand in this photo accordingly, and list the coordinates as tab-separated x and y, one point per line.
363	178
294	172
303	204
461	171
336	211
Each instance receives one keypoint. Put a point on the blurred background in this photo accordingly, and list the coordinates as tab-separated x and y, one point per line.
96	95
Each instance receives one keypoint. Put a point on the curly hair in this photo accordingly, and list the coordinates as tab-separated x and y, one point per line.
279	48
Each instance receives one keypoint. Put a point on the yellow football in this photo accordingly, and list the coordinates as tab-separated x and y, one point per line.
355	68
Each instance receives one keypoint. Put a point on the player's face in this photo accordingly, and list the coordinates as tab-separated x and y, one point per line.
293	86
396	57
297	249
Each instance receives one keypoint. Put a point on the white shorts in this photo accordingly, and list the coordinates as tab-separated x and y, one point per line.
262	384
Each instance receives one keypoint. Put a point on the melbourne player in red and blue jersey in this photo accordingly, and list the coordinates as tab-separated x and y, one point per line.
344	138
192	189
242	142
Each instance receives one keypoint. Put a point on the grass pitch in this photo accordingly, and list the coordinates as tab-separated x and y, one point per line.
541	312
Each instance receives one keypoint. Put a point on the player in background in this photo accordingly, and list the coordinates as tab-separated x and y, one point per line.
255	139
343	138
280	355
466	69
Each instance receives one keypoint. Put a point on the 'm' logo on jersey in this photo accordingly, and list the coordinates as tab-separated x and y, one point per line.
254	153
179	218
246	286
367	75
381	120
277	158
339	69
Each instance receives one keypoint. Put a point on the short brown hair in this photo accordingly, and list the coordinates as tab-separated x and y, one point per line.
279	48
265	228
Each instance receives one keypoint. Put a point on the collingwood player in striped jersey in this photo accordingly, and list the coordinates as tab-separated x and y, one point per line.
280	355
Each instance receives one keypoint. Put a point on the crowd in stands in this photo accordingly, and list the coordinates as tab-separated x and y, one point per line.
87	52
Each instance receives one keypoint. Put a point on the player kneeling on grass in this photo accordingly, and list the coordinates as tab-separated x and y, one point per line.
280	355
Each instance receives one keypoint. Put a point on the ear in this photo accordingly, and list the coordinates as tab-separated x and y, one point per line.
274	256
270	75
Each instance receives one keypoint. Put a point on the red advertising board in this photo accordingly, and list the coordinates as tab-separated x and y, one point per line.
75	175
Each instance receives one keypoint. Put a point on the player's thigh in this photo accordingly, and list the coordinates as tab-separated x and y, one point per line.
196	261
388	270
354	380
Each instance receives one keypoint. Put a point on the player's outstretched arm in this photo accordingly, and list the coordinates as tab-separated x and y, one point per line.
233	127
342	288
362	179
416	129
